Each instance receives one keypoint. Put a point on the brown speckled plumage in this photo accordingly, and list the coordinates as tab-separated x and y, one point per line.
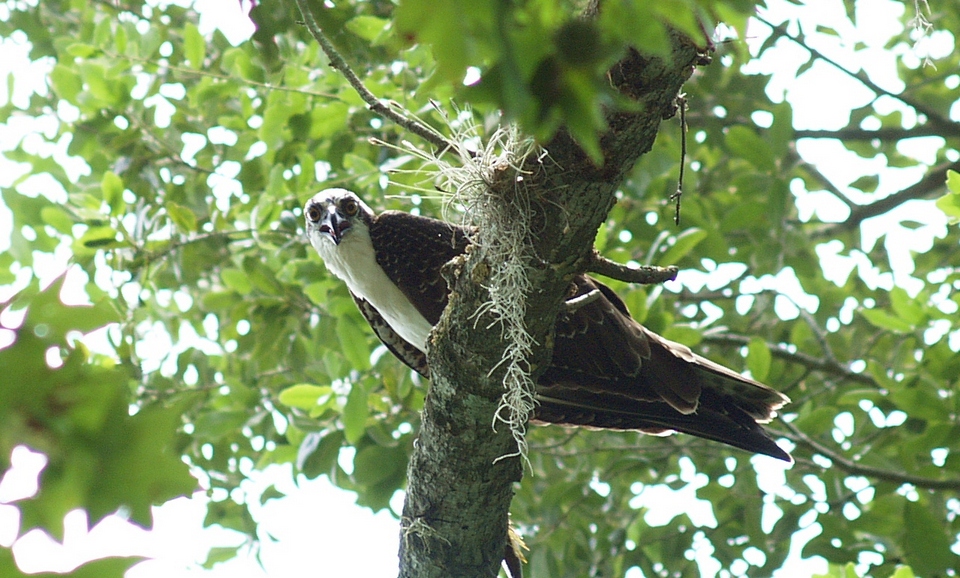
607	372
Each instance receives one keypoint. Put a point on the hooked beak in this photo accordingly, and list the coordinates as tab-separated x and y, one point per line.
334	225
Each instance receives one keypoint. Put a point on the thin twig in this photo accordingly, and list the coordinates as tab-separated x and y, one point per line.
825	182
888	133
800	358
930	184
934	117
214	75
171	151
175	244
645	274
852	467
571	305
819	333
852	133
682	105
337	62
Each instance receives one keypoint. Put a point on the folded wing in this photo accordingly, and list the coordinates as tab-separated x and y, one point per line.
608	371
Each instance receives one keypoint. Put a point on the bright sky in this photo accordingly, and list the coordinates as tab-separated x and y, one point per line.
317	525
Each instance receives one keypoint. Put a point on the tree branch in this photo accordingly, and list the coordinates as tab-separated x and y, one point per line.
804	359
337	62
931	183
891	133
852	467
462	472
935	119
207	74
645	274
819	176
851	133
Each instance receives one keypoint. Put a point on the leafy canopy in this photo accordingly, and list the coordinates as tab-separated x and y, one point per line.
171	166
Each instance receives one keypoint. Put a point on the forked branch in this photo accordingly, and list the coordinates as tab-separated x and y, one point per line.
645	274
376	105
851	467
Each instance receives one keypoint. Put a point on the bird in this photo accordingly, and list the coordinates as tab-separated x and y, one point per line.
607	370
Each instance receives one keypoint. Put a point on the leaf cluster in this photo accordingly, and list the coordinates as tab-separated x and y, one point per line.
173	171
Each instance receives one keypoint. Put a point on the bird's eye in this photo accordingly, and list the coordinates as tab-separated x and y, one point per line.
350	207
314	213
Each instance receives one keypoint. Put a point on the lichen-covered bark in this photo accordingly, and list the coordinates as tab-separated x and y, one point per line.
459	480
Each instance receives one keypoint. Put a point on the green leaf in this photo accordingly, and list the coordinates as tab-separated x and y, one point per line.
442	24
953	182
146	442
194	45
818	421
758	359
905	307
683	244
883	320
950	202
182	216
781	132
636	301
81	50
111	187
120	39
950	205
903	572
7	276
57	218
101	458
271	493
353	344
867	183
374	464
96	239
304	395
367	27
839	571
328	119
217	425
683	334
237	280
355	414
920	403
8	567
100	85
318	453
219	554
112	567
66	83
745	215
746	144
926	544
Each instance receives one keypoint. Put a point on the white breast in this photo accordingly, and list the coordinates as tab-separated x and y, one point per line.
354	262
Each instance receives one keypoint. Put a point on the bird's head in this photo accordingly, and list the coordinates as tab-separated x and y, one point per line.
332	214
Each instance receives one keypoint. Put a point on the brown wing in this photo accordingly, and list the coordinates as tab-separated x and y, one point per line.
400	347
608	371
411	250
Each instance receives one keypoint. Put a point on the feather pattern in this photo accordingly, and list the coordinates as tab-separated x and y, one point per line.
607	371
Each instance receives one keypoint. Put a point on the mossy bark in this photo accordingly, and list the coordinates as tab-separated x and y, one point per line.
461	475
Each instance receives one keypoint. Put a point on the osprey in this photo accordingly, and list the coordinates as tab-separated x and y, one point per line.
608	371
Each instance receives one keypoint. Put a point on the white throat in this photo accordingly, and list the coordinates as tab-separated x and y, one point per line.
353	261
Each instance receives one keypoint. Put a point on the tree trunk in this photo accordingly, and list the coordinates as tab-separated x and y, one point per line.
459	480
